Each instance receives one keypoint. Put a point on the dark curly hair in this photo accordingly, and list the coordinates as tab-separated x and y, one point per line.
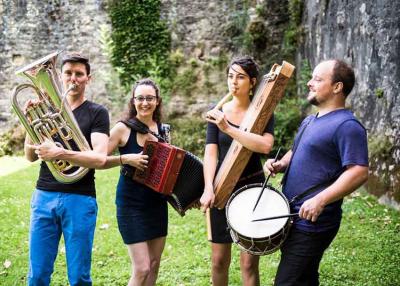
132	112
248	64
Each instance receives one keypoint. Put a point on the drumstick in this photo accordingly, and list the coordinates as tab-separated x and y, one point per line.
208	221
266	181
276	217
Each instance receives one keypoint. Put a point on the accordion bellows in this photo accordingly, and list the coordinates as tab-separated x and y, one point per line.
173	172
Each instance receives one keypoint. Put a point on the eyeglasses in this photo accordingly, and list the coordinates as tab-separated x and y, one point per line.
150	98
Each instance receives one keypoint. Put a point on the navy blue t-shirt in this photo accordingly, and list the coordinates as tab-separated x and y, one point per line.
329	144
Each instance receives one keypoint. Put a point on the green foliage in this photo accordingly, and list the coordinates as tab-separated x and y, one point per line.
258	34
185	78
236	27
115	91
290	111
288	116
12	141
189	134
219	62
379	93
304	77
176	58
191	76
379	147
365	252
294	32
140	41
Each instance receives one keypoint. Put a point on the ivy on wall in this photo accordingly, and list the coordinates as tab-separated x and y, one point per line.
140	41
294	32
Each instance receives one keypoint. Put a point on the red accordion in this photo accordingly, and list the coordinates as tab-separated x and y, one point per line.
165	161
173	172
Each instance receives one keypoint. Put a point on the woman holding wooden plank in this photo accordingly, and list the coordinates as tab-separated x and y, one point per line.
223	127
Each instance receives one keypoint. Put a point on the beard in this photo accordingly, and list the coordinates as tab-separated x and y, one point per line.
312	99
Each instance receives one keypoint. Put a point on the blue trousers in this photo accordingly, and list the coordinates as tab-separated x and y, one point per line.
54	214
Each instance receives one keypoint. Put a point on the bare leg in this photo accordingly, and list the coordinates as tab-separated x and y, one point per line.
221	259
140	259
156	247
249	267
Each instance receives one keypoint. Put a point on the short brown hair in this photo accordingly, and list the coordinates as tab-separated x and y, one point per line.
75	57
343	73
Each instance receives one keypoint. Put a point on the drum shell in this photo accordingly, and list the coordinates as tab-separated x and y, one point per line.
258	246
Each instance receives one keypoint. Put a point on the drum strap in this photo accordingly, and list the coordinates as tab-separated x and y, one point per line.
294	148
323	185
312	189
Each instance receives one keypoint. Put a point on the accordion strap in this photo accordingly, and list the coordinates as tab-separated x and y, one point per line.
139	126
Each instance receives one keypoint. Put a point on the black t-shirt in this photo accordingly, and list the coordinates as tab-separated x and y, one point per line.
91	118
215	136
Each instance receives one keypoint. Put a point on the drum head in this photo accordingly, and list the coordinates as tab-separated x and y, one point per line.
240	213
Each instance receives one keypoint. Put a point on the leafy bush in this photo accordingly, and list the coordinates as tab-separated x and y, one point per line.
189	134
294	32
12	141
140	41
288	116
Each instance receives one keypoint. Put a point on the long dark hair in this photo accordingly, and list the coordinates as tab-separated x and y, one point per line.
249	65
132	112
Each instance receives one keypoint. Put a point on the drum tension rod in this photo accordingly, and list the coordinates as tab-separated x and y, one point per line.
266	181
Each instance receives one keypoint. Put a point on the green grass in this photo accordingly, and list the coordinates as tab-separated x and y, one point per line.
365	252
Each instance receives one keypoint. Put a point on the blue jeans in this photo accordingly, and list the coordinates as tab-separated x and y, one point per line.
53	214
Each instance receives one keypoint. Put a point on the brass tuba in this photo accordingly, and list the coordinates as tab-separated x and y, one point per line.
51	117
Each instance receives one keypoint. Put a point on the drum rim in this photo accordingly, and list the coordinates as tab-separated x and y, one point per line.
248	187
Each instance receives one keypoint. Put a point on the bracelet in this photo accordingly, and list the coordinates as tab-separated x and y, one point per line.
120	159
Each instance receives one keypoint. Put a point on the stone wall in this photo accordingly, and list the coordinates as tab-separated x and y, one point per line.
202	30
207	31
366	34
32	29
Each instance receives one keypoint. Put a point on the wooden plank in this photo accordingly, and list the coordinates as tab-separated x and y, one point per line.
269	93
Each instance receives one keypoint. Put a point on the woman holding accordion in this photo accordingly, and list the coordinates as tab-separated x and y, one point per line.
223	127
142	213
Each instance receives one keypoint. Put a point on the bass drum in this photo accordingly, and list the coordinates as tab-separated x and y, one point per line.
261	237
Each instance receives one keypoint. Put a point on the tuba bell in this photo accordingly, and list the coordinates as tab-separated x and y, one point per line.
50	117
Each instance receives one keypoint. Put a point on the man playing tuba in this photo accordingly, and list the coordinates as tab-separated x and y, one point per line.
67	209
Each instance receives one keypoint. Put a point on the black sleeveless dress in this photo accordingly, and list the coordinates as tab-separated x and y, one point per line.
142	213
